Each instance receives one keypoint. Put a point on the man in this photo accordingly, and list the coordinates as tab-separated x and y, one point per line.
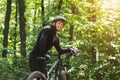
46	40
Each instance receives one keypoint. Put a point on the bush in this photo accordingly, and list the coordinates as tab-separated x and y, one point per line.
14	68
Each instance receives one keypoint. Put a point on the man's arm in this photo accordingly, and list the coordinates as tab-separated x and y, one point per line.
58	47
42	42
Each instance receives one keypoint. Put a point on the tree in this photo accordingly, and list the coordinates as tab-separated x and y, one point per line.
15	28
42	13
92	11
6	29
22	21
92	18
74	11
60	4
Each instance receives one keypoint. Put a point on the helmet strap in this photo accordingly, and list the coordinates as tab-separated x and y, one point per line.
55	24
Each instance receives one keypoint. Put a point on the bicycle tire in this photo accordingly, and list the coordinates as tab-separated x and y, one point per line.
52	77
63	75
36	74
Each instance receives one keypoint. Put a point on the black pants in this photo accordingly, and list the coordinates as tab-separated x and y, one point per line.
37	65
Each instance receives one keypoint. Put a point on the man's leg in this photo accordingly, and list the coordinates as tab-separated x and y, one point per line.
42	67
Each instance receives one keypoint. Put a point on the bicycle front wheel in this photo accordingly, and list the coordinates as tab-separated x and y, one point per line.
36	75
63	75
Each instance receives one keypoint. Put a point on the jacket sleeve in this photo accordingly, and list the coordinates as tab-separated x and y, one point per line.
58	47
42	42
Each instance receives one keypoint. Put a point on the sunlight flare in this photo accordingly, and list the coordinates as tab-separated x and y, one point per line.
114	1
113	4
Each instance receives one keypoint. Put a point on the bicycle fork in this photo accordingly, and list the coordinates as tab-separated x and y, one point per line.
55	72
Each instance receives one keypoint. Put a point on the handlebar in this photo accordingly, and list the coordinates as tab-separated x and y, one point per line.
48	57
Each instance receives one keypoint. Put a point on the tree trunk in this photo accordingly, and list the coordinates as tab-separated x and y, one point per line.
15	28
71	32
42	13
6	29
93	53
74	11
92	10
22	21
60	4
92	18
34	19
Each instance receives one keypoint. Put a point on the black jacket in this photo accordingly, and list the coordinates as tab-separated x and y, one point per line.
46	40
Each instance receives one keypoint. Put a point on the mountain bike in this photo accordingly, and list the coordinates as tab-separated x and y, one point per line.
58	71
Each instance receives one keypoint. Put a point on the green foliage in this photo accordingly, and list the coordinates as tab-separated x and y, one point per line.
103	35
107	68
14	68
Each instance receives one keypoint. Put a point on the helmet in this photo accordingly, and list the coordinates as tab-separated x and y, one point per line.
59	18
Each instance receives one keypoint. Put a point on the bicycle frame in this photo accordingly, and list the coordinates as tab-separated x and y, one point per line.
55	67
58	68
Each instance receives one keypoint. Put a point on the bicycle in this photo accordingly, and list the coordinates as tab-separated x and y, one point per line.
58	71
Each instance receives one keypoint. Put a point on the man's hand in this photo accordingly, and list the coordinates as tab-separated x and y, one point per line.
73	51
47	57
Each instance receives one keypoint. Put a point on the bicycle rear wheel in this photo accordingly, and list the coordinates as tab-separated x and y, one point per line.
36	75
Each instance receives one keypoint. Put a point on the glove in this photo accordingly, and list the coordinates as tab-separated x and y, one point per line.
73	51
47	57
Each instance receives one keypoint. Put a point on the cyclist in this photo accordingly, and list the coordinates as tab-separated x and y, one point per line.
46	40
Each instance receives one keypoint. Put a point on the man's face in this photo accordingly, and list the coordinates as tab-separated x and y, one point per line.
59	25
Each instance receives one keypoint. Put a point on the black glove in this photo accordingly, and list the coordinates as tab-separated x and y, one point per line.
47	57
73	51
